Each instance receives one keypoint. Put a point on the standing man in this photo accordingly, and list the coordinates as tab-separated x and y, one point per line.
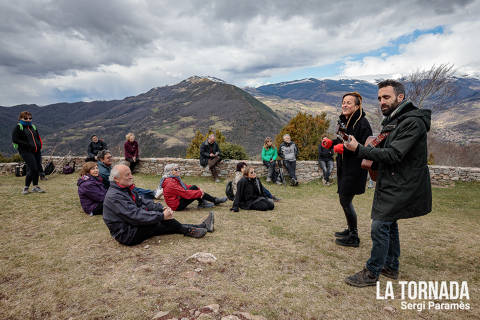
325	159
288	151
403	187
210	155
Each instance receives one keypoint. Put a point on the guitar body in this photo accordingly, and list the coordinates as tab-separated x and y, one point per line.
367	164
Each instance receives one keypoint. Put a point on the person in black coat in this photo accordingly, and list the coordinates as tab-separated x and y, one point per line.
94	147
250	193
210	155
351	178
26	139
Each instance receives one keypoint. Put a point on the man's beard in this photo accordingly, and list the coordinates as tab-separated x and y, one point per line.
390	109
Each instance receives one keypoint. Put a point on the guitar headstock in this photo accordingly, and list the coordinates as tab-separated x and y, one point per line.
341	131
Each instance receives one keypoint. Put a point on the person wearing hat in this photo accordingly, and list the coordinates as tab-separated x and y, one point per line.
325	159
94	147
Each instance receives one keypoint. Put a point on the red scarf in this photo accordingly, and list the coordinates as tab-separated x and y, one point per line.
130	190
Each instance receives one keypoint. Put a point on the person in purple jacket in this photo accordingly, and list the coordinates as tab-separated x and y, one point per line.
91	189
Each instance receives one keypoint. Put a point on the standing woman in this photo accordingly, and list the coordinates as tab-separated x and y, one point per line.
351	177
131	151
26	139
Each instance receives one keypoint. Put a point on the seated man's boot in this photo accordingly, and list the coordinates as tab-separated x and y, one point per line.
205	204
195	232
208	222
220	200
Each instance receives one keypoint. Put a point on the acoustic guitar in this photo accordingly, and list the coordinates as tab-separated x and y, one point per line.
367	164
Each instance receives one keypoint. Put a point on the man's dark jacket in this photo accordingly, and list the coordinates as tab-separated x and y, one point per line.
351	178
205	150
325	154
95	147
403	187
123	215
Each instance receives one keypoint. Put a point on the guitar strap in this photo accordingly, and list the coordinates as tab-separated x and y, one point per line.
383	135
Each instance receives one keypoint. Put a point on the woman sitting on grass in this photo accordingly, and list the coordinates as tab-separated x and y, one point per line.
91	189
250	193
178	195
239	175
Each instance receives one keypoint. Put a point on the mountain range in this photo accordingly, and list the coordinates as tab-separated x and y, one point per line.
165	119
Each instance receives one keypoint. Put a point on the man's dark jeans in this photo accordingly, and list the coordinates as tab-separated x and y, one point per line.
385	246
327	167
291	167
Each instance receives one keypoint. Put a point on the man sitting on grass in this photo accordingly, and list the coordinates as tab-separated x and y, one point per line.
132	219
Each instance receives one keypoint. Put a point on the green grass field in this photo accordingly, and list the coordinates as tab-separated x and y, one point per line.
58	263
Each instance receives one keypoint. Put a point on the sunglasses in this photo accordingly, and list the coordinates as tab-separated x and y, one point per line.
27	118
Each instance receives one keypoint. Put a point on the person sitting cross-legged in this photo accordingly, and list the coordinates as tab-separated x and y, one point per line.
132	219
250	193
178	195
239	175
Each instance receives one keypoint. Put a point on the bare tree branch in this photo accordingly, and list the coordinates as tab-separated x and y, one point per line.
434	86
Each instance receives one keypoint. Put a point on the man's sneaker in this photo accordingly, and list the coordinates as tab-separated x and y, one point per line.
390	273
25	190
220	200
217	180
38	189
205	204
363	278
341	234
208	223
278	182
351	240
324	181
269	179
195	232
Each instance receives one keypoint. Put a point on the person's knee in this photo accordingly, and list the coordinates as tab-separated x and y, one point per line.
379	228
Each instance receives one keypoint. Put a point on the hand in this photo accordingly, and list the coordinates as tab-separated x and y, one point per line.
95	158
351	144
134	159
271	160
167	213
212	155
202	192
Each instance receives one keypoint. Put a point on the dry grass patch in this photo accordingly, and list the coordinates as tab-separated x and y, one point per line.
58	263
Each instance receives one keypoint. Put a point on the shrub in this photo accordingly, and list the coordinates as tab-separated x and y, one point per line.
14	158
307	132
229	150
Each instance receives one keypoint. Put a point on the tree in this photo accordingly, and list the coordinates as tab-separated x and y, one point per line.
435	85
229	150
307	132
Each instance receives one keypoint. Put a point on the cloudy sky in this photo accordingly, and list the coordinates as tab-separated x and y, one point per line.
71	50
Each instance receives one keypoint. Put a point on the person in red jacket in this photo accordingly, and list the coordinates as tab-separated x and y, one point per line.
131	151
179	195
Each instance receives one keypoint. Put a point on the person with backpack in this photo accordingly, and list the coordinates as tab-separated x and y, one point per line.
27	141
269	157
91	190
231	192
288	151
250	193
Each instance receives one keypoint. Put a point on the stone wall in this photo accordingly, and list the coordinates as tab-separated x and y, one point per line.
306	170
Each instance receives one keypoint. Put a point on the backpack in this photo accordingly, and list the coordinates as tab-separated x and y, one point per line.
67	169
21	169
229	191
49	168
